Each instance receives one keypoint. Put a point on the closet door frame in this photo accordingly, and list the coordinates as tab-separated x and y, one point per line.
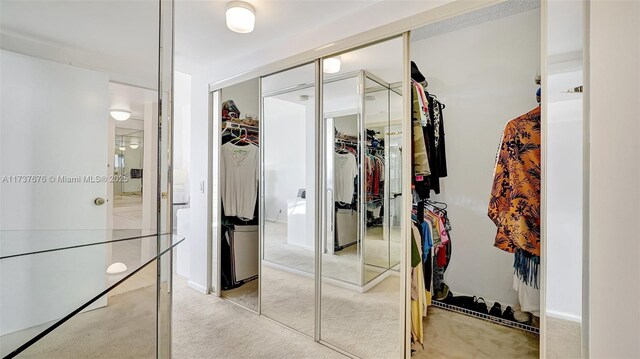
403	28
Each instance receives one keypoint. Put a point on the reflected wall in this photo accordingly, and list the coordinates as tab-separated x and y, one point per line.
357	283
288	182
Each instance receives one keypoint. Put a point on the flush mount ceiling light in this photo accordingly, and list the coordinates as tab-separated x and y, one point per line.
120	115
122	148
331	65
116	268
134	146
241	17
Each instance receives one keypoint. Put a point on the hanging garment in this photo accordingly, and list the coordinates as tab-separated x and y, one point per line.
418	292
345	171
420	157
528	296
239	179
514	205
434	136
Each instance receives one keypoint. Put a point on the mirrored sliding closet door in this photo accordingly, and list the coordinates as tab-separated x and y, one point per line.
360	281
235	207
288	206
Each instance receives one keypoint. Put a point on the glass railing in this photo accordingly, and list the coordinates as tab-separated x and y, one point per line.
20	242
73	297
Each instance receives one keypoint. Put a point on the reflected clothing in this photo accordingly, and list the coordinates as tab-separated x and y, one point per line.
420	156
239	179
345	170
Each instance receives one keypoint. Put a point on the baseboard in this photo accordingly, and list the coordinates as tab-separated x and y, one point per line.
564	316
200	288
287	269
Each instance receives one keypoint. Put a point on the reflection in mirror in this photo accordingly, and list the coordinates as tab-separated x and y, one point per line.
238	188
128	165
288	139
476	277
360	294
64	70
564	180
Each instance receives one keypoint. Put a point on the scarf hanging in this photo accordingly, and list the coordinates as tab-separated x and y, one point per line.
525	266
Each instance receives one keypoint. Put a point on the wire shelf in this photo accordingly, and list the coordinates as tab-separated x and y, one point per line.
487	317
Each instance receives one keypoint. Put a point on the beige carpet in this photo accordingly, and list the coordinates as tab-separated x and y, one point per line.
205	326
564	339
364	324
246	295
453	335
125	328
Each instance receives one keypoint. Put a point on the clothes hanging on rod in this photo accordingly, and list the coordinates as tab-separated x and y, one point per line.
239	179
429	154
514	205
345	173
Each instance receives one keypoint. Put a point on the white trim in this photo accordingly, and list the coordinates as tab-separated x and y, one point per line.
564	316
543	177
288	269
198	287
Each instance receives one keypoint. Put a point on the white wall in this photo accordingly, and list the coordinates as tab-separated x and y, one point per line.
485	76
181	135
52	123
181	166
199	165
614	248
284	154
564	198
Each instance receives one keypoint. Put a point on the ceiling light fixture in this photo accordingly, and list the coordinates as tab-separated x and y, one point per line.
241	17
117	268
122	148
120	115
134	146
331	65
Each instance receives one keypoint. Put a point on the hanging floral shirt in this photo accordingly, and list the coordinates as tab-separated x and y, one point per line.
514	206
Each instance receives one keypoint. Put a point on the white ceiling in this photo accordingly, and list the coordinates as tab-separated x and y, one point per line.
202	38
116	37
284	28
120	37
130	98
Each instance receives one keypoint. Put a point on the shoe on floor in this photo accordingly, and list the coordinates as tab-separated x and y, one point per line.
496	310
508	314
481	307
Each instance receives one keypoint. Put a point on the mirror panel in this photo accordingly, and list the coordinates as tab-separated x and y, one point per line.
238	192
376	161
360	296
564	180
288	175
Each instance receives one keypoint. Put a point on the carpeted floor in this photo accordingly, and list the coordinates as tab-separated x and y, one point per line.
205	326
453	335
564	339
125	328
246	295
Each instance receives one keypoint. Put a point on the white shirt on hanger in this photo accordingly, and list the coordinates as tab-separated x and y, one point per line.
239	179
345	169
